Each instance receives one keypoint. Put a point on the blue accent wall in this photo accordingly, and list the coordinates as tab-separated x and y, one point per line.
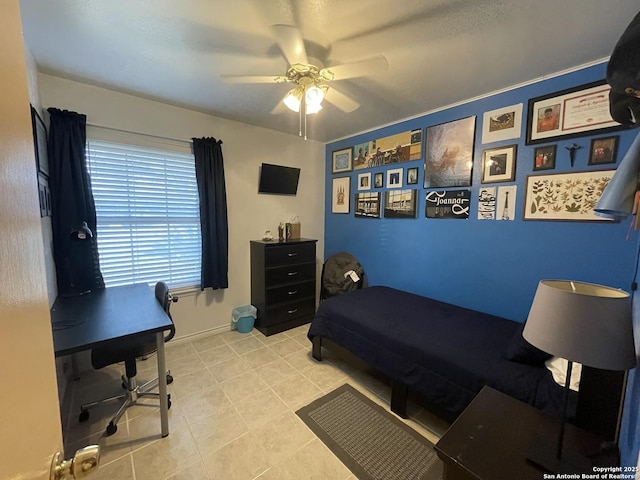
489	265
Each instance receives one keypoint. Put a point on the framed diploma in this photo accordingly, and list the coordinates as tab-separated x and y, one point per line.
574	112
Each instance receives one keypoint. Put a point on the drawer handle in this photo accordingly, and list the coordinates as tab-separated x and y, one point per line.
291	274
292	292
293	254
292	311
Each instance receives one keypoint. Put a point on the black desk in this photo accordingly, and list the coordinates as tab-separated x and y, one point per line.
83	322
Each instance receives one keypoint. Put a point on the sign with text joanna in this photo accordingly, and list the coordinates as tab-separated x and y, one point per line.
448	204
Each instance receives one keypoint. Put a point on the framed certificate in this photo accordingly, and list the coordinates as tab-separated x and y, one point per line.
574	112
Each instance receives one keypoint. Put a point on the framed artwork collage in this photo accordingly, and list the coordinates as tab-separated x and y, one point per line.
387	183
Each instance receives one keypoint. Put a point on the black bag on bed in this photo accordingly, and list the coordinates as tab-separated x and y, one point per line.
341	273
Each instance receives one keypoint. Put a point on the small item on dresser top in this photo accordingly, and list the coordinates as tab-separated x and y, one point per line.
294	227
281	232
267	237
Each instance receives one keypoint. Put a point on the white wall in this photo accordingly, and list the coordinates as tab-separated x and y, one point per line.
244	147
29	416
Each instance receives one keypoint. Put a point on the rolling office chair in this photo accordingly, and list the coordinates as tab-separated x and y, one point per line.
127	351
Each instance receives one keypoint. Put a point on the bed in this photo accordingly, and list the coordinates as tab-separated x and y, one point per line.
443	352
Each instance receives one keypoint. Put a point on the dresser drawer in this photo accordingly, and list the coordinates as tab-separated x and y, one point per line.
289	311
291	292
290	254
290	274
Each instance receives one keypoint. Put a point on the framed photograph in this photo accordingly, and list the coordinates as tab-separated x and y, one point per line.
603	150
378	180
42	193
394	178
342	160
499	164
44	196
502	124
449	154
367	205
400	204
40	143
544	158
574	112
412	176
364	181
565	196
340	194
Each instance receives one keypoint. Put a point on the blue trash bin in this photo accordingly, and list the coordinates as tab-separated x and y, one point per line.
244	318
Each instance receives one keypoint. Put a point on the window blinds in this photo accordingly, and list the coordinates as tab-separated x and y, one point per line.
148	214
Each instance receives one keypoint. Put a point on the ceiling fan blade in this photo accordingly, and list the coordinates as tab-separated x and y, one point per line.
362	68
341	100
250	78
291	43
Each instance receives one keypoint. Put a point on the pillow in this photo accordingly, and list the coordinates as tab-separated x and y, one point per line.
521	351
558	368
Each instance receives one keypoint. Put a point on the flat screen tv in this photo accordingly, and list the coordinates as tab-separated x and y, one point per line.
278	179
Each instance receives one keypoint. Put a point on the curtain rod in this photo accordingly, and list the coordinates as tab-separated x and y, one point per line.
89	124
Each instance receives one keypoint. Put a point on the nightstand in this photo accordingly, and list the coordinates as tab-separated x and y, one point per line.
491	437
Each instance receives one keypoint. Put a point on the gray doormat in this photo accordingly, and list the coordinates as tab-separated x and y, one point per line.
371	442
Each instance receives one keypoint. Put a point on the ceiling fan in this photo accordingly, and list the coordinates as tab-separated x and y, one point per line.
310	77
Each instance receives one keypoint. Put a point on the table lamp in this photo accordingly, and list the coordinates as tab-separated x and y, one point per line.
585	323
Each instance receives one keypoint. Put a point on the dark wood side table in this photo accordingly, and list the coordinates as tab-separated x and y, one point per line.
490	440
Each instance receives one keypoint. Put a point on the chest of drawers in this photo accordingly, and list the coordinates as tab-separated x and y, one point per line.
283	283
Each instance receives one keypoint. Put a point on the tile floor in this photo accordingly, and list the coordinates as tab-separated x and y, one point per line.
234	398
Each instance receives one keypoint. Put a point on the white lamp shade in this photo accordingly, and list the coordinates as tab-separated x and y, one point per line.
582	322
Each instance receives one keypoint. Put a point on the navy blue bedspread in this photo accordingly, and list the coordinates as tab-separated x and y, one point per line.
445	352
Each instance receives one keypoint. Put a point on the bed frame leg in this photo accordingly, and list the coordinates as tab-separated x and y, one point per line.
316	351
399	398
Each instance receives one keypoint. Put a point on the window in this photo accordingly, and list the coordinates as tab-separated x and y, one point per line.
148	217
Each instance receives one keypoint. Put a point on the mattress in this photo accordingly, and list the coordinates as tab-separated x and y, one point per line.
445	352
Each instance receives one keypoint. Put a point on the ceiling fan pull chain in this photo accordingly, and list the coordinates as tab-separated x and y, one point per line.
300	122
304	108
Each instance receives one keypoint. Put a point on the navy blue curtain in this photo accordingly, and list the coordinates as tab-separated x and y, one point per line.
213	213
76	256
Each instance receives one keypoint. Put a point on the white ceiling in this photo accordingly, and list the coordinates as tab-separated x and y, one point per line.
440	52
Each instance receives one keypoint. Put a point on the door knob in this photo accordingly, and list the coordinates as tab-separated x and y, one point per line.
84	462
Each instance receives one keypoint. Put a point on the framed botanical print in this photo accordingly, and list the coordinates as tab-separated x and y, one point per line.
565	196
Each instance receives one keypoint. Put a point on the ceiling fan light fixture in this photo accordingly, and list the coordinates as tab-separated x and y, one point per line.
313	108
314	96
293	98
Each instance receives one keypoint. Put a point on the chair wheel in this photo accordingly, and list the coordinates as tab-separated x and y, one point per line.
169	379
111	429
84	416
